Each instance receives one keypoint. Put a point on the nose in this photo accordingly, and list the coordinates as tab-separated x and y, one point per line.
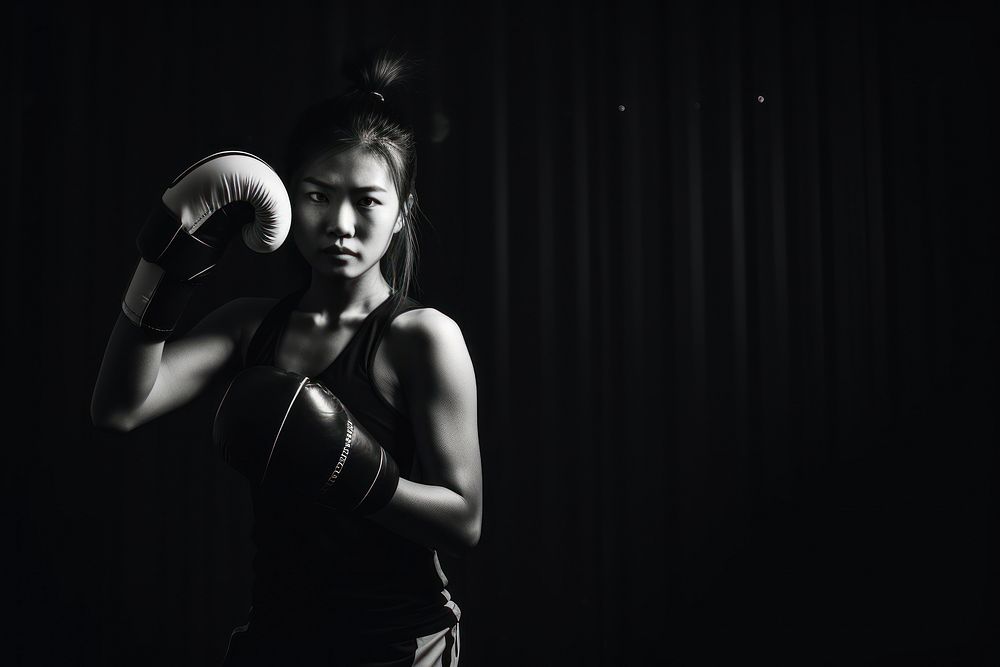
340	220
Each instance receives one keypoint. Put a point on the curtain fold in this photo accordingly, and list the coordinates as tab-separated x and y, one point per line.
726	272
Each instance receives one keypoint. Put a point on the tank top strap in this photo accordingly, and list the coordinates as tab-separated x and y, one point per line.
399	305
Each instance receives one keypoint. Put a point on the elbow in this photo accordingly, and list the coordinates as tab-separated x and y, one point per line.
470	536
473	534
460	547
109	422
112	426
463	542
474	525
106	417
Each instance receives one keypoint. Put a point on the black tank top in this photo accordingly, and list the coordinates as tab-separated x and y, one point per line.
341	573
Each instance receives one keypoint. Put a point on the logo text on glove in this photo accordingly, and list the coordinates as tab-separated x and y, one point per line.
348	439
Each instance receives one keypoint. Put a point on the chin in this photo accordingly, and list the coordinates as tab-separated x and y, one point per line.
340	273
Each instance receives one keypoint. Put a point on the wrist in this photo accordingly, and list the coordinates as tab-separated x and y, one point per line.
154	300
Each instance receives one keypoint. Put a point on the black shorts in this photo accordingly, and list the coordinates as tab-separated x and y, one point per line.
250	649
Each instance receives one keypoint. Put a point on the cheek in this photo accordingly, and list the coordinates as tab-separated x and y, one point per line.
300	232
296	232
302	214
388	223
305	218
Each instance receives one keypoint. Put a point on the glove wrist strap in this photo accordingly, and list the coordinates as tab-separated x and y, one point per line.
154	301
382	489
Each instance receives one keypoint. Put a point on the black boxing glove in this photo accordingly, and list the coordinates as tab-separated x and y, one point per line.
188	230
290	434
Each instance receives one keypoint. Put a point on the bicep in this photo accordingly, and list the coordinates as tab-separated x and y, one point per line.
190	363
440	389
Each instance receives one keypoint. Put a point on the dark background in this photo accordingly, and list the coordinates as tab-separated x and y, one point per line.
734	353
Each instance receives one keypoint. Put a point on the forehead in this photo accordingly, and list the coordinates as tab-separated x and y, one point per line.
352	167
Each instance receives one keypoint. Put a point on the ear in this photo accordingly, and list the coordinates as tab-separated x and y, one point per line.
403	213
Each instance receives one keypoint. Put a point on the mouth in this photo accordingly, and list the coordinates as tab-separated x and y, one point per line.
340	252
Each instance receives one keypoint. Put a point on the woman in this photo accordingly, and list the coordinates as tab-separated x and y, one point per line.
340	588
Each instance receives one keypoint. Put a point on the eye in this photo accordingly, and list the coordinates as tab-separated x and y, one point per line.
317	197
364	199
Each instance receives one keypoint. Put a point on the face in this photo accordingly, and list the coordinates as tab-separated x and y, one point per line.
345	200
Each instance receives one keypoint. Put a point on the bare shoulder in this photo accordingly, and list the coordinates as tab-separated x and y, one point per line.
423	334
423	326
247	312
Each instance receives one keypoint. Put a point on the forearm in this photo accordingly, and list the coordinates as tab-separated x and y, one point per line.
128	371
434	516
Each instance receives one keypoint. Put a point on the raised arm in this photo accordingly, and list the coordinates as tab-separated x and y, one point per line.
141	379
222	196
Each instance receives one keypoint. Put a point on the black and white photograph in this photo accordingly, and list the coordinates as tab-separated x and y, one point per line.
500	334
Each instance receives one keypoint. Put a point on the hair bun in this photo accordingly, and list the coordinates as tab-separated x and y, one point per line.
378	71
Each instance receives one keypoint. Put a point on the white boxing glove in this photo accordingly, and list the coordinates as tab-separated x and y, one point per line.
188	230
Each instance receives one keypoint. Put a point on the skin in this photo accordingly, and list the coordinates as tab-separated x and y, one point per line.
326	213
423	354
422	366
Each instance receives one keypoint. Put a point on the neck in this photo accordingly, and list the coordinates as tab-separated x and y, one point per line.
327	300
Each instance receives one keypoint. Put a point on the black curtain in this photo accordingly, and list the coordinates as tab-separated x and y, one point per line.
726	272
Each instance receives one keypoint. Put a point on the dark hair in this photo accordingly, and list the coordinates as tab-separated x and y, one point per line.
378	123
